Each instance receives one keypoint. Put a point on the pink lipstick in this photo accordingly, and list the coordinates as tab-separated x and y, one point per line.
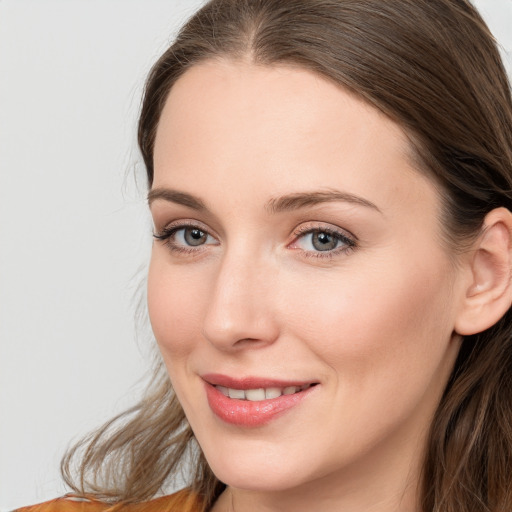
253	401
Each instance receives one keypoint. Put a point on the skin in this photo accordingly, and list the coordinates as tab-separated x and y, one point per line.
372	324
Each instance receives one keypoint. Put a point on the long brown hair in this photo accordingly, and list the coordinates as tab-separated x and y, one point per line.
433	67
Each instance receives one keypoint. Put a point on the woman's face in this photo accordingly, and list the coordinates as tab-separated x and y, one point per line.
299	269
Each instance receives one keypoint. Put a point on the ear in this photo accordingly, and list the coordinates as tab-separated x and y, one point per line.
488	288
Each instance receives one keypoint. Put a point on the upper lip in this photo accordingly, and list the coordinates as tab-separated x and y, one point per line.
250	382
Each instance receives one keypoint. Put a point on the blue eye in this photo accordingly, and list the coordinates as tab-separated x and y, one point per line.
318	242
322	240
191	236
185	238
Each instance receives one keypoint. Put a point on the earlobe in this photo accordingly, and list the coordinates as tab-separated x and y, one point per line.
488	294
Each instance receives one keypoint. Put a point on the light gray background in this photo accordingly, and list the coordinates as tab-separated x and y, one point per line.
74	230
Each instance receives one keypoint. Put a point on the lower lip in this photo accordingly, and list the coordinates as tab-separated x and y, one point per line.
251	414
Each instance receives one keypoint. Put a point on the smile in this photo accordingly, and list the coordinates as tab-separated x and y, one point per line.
260	394
253	402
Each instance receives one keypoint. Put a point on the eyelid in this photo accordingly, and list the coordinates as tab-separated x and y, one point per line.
167	233
182	224
324	226
349	240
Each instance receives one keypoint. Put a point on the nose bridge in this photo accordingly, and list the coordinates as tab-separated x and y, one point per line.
240	306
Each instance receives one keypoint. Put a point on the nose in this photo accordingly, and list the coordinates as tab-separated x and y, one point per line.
240	310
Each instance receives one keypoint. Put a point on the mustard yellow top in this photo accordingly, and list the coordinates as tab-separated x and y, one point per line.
181	501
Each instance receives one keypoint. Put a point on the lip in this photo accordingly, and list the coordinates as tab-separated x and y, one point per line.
244	412
216	379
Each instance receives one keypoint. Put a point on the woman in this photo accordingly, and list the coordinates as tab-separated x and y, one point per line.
330	282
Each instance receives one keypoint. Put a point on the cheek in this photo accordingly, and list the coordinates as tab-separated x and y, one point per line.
388	318
172	306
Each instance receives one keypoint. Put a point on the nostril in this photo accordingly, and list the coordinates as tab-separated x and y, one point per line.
243	342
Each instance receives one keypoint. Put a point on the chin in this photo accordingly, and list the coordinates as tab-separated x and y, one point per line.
257	478
262	467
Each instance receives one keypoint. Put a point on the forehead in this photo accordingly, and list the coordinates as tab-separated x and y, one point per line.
215	96
281	127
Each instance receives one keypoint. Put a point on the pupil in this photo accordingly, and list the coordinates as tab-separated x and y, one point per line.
195	236
324	241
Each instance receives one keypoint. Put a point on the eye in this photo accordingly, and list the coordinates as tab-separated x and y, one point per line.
191	236
185	238
315	241
322	241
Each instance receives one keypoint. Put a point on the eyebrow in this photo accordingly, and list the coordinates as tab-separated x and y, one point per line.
174	196
289	202
303	199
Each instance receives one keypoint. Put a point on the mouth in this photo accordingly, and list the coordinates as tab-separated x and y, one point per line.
260	394
253	402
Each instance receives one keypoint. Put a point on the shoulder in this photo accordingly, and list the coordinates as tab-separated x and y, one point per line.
181	501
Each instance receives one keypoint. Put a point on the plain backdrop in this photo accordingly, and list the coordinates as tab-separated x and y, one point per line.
74	227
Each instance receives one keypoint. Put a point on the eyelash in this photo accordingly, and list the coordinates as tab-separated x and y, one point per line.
167	233
350	243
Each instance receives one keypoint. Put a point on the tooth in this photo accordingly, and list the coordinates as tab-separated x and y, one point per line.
272	392
223	390
236	393
255	395
290	390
